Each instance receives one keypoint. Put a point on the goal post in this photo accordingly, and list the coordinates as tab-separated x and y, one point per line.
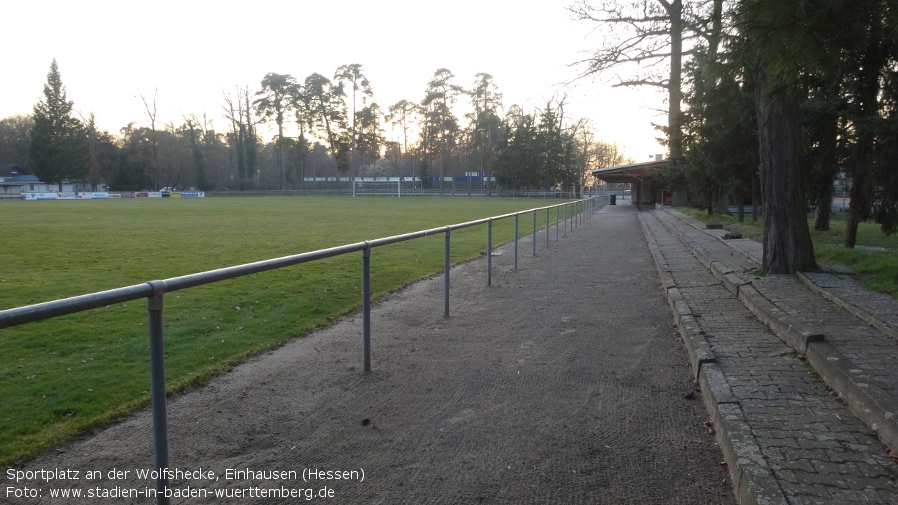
368	187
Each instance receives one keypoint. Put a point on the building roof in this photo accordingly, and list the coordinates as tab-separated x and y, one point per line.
11	170
631	172
19	181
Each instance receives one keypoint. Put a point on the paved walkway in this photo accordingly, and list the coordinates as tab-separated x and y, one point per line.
799	372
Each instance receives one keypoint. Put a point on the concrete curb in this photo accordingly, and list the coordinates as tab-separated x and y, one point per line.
793	332
718	234
868	402
857	311
699	351
753	480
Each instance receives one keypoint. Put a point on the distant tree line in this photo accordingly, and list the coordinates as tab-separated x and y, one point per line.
324	127
775	97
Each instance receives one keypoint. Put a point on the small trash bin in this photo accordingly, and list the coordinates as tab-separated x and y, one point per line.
613	200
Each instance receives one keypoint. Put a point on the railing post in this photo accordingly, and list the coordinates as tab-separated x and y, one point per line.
564	211
573	212
534	232
366	307
547	227
157	388
556	223
516	241
446	275
489	252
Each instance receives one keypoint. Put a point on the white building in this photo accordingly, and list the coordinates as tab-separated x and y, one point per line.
15	182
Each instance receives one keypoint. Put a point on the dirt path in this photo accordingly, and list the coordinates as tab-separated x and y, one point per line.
561	383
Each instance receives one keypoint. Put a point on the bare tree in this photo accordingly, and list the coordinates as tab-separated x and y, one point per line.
154	153
243	132
647	34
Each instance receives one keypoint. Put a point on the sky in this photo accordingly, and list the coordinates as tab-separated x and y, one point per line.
189	53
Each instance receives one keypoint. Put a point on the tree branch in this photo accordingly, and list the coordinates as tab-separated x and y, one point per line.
642	82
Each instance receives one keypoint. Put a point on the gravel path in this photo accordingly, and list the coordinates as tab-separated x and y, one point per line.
564	382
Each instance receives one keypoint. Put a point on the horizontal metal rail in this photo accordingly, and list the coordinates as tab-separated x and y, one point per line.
154	290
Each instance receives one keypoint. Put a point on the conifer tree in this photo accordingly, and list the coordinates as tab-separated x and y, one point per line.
59	149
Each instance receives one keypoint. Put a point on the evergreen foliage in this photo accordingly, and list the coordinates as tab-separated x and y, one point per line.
424	174
720	137
325	116
197	157
15	139
59	149
328	128
126	176
276	98
537	154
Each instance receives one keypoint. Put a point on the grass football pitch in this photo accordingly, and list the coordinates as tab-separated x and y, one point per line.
65	375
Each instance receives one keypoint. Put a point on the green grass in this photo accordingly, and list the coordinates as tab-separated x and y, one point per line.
874	260
66	375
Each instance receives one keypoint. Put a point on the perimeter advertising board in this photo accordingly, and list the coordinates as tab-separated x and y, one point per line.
40	196
101	195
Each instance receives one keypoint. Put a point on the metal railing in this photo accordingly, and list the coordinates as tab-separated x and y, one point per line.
572	215
406	192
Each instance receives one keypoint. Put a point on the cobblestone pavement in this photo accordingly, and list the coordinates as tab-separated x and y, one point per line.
797	371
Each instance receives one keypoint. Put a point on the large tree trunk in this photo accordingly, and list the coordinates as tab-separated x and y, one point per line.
755	198
787	240
868	93
856	209
675	94
829	166
822	218
281	156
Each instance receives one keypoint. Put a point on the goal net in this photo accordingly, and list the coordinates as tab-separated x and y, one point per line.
361	187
